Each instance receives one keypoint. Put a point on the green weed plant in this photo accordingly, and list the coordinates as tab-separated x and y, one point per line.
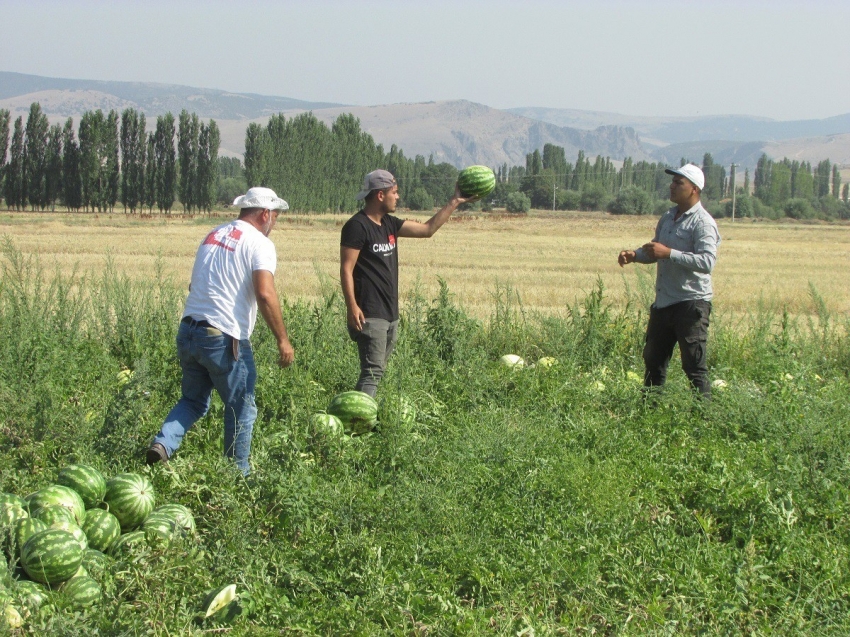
546	500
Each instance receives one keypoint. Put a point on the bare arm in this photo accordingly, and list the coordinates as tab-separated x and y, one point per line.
419	230
347	261
269	306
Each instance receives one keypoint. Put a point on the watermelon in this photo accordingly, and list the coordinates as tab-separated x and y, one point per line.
180	514
325	425
85	480
128	544
10	513
130	498
11	498
101	528
398	409
62	495
476	181
30	594
25	528
218	599
95	560
73	529
51	556
82	591
357	411
160	530
53	514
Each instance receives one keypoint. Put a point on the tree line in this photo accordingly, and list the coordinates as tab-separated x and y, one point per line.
110	158
317	167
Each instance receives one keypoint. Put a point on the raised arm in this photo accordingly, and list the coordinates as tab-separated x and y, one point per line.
420	230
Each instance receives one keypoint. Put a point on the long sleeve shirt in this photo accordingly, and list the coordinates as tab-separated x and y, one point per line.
693	239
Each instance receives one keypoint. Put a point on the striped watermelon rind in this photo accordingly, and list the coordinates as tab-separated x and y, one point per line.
54	513
25	528
51	556
85	480
357	411
325	425
101	528
73	529
160	530
30	594
95	560
10	513
476	181
11	498
398	409
82	591
181	515
128	544
59	494
130	498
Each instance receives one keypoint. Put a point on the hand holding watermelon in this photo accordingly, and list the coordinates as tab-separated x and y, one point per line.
475	182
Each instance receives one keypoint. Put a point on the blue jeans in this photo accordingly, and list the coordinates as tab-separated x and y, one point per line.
207	360
375	343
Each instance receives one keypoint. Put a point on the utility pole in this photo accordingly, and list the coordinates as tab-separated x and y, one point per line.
732	179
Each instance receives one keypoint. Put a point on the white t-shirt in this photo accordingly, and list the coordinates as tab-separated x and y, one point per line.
222	288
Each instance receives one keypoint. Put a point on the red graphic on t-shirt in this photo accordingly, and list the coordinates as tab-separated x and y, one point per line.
228	242
392	239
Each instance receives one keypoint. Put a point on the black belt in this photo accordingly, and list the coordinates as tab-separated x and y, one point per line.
189	320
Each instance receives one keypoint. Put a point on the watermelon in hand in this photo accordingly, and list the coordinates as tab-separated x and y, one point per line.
476	181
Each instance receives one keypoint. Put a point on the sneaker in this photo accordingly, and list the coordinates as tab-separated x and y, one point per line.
156	453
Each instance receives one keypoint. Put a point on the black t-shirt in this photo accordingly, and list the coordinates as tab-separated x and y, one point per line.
376	270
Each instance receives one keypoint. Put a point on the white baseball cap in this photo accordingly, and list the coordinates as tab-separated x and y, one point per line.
691	172
259	197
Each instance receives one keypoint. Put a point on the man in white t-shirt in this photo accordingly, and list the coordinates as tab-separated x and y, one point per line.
233	276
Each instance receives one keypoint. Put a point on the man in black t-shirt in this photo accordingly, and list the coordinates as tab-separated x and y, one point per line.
369	271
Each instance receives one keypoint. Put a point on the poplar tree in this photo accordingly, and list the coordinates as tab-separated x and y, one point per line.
4	142
35	149
92	177
256	141
836	182
53	166
14	183
111	153
151	173
166	163
72	188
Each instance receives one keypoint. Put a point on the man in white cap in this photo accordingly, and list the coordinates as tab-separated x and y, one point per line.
369	271
685	249
232	277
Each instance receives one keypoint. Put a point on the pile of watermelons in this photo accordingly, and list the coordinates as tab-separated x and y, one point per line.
355	413
58	538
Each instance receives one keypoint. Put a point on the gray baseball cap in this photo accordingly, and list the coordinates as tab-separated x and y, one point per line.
376	180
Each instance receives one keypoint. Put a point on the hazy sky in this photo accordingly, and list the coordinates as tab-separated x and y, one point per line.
779	59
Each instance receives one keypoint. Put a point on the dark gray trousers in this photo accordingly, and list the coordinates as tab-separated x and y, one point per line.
375	343
685	323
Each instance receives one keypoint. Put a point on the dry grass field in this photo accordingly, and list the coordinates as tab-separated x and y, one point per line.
548	260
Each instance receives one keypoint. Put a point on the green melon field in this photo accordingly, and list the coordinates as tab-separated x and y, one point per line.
535	501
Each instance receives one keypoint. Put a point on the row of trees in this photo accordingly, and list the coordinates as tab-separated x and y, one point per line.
319	168
114	159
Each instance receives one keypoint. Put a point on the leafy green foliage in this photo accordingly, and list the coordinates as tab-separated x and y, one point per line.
517	202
